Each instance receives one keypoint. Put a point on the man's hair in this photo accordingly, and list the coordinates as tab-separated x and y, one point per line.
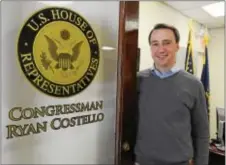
165	26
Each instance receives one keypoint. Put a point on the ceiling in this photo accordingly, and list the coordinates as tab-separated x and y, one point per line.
193	9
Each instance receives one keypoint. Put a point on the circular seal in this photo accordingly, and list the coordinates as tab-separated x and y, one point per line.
58	52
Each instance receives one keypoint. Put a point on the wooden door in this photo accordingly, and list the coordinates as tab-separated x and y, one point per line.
127	65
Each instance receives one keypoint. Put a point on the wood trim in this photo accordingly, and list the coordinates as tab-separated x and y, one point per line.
119	100
126	69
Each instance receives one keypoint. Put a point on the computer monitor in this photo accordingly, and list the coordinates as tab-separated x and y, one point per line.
221	128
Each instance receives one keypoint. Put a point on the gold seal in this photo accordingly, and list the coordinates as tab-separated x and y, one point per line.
58	52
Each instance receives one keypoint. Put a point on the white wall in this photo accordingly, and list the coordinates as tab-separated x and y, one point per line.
82	144
152	12
216	65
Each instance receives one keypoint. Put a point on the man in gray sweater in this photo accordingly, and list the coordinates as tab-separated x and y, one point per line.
173	122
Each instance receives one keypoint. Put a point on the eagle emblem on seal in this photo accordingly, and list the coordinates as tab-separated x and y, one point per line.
64	60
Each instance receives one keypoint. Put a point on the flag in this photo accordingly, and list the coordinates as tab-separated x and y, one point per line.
205	72
189	66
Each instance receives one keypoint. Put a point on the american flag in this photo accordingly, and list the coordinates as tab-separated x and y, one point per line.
189	66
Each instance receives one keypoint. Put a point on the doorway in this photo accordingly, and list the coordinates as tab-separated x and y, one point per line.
128	64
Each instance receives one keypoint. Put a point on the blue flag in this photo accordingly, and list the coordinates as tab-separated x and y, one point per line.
205	76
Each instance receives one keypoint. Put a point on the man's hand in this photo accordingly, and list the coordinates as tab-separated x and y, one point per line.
191	162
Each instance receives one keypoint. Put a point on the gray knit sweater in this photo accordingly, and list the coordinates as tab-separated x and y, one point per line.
173	122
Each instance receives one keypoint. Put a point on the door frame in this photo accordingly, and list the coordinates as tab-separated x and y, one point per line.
127	66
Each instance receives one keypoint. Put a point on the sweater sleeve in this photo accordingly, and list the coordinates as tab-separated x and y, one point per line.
200	128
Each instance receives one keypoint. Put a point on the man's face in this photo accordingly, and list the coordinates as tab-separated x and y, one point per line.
163	47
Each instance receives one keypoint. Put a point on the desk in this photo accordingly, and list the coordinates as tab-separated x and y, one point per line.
216	157
213	149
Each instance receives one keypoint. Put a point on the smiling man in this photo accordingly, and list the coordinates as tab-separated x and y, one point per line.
172	122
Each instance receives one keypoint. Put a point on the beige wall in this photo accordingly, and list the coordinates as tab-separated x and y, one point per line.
152	12
216	60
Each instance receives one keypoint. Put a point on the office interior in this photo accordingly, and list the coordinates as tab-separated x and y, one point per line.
179	14
40	149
